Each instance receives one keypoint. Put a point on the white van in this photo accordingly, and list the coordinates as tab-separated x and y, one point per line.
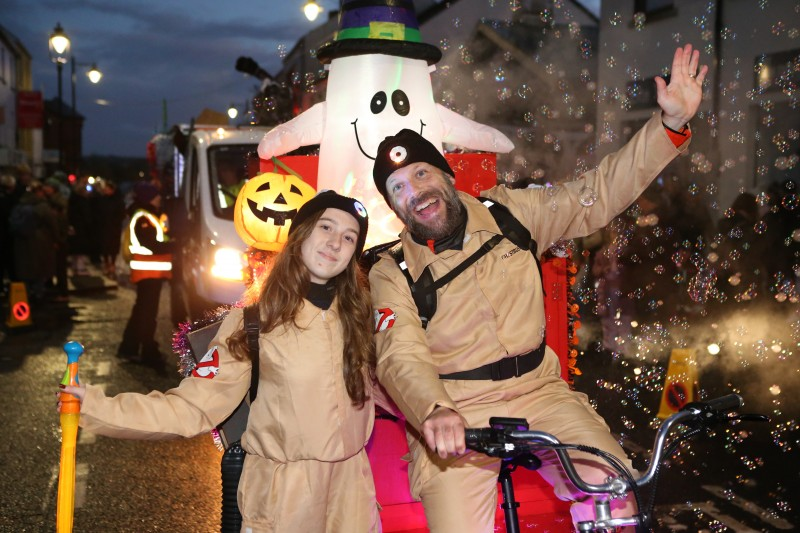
212	257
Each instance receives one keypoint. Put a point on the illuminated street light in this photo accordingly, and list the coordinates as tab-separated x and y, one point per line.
59	45
312	10
94	73
233	112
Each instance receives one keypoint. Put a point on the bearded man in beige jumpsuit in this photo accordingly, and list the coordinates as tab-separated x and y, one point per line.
495	310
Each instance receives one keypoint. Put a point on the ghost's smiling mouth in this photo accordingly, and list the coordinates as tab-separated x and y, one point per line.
355	129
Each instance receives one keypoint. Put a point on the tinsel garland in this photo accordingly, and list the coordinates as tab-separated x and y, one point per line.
573	321
563	249
180	338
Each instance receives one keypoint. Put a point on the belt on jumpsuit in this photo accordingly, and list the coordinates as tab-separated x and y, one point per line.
508	367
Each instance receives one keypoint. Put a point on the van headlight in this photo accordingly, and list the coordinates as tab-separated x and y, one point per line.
228	264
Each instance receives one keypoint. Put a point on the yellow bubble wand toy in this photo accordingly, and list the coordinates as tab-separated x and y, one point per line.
70	413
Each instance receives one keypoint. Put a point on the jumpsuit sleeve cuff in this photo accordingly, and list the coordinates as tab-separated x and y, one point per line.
678	137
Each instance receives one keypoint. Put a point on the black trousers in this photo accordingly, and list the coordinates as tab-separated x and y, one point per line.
139	336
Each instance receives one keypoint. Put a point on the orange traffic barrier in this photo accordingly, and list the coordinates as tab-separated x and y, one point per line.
19	310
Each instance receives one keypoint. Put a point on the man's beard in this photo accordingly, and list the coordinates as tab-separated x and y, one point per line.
454	213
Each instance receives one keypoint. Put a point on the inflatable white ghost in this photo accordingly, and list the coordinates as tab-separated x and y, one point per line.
369	97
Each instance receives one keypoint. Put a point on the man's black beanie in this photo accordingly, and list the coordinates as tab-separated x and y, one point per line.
325	199
401	150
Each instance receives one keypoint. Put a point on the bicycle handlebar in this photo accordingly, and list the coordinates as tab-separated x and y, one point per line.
731	402
506	440
716	406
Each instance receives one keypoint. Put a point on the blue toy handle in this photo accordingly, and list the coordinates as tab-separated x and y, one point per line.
74	351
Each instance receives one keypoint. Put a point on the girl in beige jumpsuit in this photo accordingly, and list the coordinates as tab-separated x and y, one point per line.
306	468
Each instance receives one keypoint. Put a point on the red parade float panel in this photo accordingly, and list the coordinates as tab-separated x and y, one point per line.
539	508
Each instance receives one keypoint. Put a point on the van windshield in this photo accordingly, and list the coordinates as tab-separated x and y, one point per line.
230	166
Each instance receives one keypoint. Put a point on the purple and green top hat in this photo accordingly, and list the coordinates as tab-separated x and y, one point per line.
387	27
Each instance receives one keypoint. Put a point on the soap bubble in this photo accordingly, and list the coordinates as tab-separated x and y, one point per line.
702	286
586	49
639	19
587	196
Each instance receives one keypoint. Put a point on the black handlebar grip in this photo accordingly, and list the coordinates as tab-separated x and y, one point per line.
723	404
476	435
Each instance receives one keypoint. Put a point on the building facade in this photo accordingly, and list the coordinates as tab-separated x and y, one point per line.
746	134
20	107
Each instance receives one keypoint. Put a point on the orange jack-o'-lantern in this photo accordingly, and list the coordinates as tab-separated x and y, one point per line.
266	206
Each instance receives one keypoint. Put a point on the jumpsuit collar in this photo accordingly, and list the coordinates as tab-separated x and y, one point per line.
454	241
478	219
321	295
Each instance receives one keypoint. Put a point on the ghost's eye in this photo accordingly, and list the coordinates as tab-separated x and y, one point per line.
400	103
378	102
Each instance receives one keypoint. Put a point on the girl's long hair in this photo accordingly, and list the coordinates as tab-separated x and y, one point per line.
281	298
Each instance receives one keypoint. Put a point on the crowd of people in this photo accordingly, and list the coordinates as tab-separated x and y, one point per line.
51	229
56	230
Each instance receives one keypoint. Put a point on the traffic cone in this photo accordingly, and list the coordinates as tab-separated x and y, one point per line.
680	382
19	309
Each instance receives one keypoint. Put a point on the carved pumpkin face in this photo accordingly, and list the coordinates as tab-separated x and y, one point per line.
265	208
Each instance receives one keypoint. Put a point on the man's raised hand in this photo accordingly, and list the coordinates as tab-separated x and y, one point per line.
680	99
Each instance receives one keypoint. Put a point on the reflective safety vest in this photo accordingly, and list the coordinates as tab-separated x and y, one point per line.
144	263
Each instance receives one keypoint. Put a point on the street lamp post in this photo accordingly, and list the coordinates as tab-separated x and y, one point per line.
59	50
94	76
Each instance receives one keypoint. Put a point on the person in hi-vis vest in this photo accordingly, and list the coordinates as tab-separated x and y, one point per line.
150	261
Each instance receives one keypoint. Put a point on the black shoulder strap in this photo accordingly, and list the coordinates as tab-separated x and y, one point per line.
466	263
425	300
370	256
252	324
424	289
513	230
